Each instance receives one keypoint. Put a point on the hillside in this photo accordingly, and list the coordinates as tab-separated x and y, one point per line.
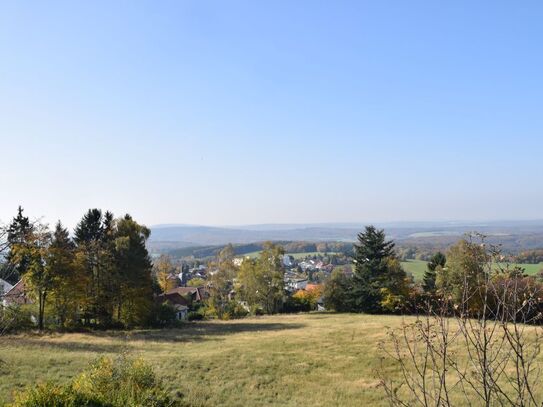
284	360
309	359
513	236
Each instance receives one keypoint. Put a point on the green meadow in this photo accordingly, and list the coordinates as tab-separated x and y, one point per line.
317	359
418	267
286	360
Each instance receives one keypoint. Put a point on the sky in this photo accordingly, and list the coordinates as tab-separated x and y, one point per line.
244	112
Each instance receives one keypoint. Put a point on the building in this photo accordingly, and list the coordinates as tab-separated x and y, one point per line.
4	287
16	295
178	302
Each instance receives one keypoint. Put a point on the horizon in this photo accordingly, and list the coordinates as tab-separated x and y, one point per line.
214	114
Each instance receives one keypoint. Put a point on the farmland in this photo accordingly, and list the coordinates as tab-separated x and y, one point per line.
418	267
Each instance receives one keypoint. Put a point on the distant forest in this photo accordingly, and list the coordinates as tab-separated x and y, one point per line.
203	252
519	248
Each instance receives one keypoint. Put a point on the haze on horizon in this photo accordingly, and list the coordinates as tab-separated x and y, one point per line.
236	113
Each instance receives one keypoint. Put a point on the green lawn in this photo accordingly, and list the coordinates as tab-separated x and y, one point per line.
418	267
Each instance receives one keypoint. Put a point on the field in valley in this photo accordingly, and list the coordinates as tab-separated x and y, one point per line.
418	267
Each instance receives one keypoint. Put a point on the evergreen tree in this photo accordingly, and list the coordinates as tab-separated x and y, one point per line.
67	285
135	294
377	271
429	279
18	235
94	240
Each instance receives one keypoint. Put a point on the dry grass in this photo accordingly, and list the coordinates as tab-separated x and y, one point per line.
317	359
311	359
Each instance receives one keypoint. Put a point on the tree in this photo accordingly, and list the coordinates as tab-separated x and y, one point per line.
164	270
499	364
67	285
310	296
261	281
18	234
36	275
377	272
89	234
465	271
134	296
337	292
429	279
221	281
196	282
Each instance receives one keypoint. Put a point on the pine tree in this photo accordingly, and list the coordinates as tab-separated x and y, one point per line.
429	279
376	270
94	240
18	234
134	296
67	284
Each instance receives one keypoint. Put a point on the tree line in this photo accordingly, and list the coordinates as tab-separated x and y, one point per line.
380	285
100	277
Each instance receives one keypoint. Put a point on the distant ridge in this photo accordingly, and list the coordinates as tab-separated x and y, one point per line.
191	235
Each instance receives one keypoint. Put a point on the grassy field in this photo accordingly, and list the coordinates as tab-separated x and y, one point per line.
311	359
418	267
286	360
415	267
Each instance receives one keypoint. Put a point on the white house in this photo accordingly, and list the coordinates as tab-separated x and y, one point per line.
288	260
296	284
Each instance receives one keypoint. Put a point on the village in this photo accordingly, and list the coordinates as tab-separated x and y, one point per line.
190	286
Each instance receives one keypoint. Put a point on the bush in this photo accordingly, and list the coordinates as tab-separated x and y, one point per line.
236	310
108	382
163	315
297	304
15	318
195	316
257	310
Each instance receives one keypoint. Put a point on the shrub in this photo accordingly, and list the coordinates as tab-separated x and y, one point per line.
195	316
297	304
108	382
257	310
236	310
15	318
163	315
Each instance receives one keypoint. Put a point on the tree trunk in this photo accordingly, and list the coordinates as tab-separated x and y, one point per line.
41	310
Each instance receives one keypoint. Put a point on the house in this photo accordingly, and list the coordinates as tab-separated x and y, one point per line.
288	261
296	284
16	295
4	287
178	302
193	294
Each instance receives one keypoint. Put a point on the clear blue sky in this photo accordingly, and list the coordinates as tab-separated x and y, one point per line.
233	112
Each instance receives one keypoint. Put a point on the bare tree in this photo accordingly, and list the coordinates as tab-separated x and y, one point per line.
479	350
